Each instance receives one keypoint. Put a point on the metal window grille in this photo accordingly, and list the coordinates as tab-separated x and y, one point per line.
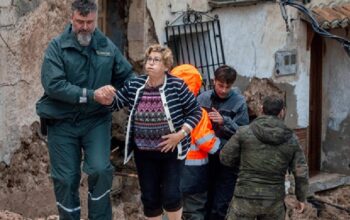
195	38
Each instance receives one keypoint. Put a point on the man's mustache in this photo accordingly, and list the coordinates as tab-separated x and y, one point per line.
84	32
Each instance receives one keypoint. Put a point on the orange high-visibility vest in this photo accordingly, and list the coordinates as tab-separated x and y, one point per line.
203	139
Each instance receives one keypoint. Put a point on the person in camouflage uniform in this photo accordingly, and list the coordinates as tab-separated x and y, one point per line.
264	151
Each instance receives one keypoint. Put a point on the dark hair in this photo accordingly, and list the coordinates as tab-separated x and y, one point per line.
225	74
272	105
84	7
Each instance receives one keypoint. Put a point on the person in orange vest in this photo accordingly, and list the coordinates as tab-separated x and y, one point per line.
227	110
194	181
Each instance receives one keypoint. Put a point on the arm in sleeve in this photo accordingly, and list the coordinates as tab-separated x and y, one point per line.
300	171
204	99
54	79
122	70
230	153
191	108
204	136
121	98
241	118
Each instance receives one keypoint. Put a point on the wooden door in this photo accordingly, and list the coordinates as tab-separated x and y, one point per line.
315	114
102	14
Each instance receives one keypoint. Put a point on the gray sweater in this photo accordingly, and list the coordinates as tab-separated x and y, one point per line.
233	109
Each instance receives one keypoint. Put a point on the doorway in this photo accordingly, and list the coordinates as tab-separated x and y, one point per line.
112	21
315	114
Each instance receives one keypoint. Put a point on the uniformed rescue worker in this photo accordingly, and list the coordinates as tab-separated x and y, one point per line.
264	151
77	63
194	180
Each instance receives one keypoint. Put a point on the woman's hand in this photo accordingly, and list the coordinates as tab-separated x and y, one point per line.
170	142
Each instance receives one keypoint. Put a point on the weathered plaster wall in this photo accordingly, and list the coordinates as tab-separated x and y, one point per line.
252	35
168	10
27	29
181	5
336	107
160	13
259	31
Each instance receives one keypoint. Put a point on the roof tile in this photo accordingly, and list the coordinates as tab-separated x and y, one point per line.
332	16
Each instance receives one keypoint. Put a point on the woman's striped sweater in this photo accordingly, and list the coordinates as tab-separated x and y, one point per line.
179	103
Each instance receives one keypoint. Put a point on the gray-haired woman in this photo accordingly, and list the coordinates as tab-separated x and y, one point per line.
162	114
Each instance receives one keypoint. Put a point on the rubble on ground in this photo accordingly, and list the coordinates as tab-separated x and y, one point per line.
26	190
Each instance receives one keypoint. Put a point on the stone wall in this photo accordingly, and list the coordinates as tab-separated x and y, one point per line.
26	27
140	33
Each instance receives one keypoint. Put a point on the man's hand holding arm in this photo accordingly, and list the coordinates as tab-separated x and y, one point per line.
104	95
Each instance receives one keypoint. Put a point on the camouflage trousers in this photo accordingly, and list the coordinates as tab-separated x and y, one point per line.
260	209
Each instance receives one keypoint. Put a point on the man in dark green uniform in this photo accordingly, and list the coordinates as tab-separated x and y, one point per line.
76	64
264	151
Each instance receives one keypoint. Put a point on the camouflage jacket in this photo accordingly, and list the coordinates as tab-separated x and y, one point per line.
264	151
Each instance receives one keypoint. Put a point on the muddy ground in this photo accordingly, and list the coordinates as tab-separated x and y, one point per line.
26	189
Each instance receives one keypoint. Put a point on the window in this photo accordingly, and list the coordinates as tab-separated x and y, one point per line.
195	38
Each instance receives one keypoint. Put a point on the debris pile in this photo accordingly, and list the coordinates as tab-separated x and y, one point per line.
256	91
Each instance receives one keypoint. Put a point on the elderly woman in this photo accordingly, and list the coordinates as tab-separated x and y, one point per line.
162	114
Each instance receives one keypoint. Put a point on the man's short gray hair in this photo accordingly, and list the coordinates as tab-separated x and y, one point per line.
84	7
